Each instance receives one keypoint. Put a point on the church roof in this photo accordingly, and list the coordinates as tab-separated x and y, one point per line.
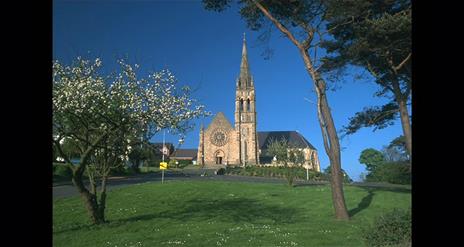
294	138
220	120
185	153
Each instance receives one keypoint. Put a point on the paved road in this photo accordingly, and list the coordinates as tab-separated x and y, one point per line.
67	189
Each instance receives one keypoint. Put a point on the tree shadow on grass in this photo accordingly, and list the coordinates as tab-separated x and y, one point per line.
310	184
365	202
390	189
228	210
237	210
383	187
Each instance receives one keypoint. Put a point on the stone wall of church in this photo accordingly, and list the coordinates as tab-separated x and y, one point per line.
233	148
229	151
220	140
311	159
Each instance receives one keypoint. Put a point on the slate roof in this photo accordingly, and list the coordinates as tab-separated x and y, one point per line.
294	138
185	153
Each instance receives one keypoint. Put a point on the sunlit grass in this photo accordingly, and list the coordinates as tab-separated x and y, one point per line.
215	213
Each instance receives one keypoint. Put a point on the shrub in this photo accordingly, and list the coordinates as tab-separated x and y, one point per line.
172	164
393	172
221	171
119	171
291	173
180	163
390	229
184	163
152	162
62	171
133	169
328	176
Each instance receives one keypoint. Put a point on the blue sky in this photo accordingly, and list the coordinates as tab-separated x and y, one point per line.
203	49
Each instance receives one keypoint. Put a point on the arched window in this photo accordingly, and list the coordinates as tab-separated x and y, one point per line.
248	104
241	105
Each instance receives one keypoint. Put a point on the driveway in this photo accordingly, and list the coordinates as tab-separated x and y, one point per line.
67	189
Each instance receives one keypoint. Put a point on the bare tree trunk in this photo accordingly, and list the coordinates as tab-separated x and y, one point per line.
329	133
401	99
102	205
335	163
90	200
331	142
404	116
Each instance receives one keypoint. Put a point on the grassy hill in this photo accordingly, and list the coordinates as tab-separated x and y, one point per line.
216	213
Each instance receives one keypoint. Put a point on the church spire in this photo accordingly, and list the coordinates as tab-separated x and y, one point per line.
245	76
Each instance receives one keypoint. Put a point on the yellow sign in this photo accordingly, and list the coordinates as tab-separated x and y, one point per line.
163	165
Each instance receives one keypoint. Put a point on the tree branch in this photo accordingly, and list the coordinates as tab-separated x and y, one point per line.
60	151
278	24
403	62
377	76
338	25
386	113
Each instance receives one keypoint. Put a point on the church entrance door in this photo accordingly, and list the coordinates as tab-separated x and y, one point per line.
219	157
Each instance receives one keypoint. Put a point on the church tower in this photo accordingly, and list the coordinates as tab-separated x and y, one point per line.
245	113
201	147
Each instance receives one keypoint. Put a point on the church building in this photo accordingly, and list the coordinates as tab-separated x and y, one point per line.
222	143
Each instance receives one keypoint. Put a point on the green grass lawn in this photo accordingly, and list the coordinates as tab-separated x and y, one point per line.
215	213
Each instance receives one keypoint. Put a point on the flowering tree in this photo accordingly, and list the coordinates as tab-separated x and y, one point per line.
104	116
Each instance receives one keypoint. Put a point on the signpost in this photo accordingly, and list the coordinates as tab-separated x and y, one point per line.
307	171
163	165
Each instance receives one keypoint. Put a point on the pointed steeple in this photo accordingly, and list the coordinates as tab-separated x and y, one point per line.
245	75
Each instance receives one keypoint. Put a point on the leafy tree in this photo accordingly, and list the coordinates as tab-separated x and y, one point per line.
375	35
296	157
279	150
362	177
346	177
387	166
287	156
302	22
102	115
372	158
392	154
378	117
391	172
139	155
396	150
68	147
136	157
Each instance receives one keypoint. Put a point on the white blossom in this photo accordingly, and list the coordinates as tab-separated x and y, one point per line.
87	103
